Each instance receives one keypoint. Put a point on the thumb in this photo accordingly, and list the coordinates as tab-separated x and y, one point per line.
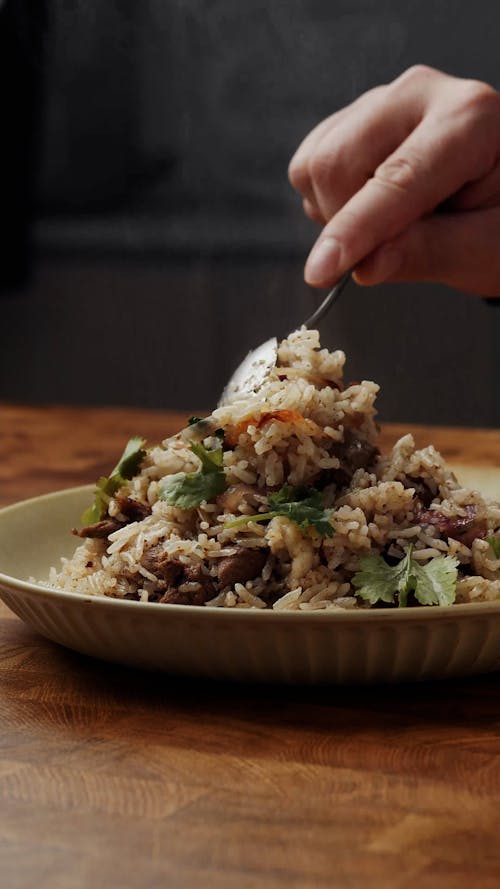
458	249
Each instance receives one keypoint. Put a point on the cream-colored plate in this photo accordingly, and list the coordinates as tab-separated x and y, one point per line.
483	478
247	645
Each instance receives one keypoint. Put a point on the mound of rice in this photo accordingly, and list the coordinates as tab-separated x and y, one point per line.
305	430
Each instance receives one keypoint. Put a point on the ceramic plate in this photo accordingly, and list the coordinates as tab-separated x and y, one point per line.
244	645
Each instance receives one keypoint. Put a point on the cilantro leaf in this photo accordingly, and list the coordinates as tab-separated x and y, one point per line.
211	461
494	542
98	509
376	581
127	466
287	494
435	583
186	490
432	584
131	458
301	505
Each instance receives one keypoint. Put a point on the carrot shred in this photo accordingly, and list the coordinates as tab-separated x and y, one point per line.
232	433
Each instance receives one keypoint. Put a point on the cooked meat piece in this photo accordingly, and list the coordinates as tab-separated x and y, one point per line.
100	529
465	529
174	596
359	454
471	534
353	453
161	564
203	591
338	477
245	564
134	510
195	574
172	574
422	490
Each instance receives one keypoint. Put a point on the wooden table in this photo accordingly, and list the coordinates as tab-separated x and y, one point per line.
111	777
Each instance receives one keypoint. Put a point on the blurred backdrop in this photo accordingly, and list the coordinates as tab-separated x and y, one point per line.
150	236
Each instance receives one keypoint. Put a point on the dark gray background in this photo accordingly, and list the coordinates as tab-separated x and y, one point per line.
169	240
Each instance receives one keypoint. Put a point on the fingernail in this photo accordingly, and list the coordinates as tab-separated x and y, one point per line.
323	260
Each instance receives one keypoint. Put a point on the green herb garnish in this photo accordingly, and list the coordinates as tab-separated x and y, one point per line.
193	420
304	506
432	584
186	490
494	542
125	469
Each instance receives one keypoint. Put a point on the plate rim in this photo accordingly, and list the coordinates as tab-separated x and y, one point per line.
397	615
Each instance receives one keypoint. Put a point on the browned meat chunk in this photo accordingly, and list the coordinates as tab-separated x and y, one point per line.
134	510
245	564
357	454
173	574
465	529
161	564
100	529
353	453
422	490
174	596
203	588
195	574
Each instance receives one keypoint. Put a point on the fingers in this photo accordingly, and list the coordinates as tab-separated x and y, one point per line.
311	210
371	170
458	249
348	154
425	170
482	194
298	169
337	158
343	151
341	154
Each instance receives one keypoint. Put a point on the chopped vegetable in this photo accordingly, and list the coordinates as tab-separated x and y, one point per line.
206	428
436	582
432	584
186	490
494	542
303	505
127	466
199	428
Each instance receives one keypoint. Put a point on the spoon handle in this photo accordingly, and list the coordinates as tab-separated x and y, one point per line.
328	301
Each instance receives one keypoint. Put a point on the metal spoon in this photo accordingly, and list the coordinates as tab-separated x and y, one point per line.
251	373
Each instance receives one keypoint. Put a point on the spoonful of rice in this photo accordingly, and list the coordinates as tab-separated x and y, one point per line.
253	370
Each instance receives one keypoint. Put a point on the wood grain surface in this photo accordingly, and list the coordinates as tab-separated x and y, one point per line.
113	777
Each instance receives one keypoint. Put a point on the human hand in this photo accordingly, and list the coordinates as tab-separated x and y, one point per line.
406	183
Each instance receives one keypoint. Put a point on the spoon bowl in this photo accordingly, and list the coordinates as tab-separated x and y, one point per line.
252	371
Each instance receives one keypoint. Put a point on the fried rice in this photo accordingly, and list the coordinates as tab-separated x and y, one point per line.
304	434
